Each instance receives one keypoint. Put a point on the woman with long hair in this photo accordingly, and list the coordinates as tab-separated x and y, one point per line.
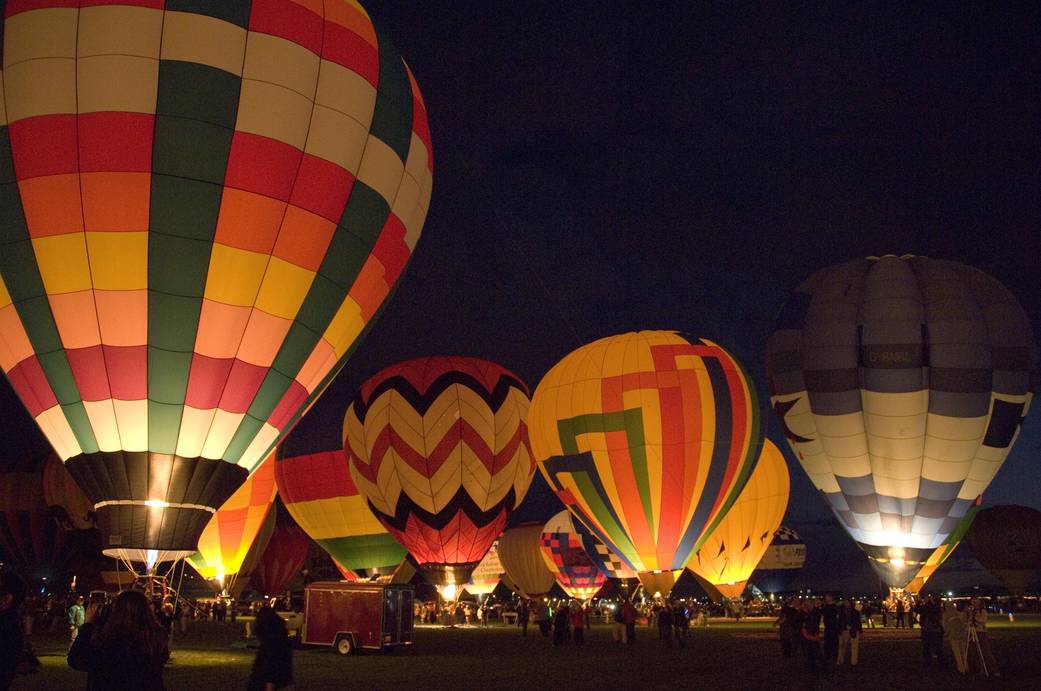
123	647
273	665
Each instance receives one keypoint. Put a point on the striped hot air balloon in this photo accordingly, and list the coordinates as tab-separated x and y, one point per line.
320	495
733	550
574	570
648	438
901	384
439	447
228	536
284	556
204	206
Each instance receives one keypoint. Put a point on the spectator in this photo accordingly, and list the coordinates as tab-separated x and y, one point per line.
76	618
811	636
931	619
956	633
578	622
849	634
629	619
273	665
12	640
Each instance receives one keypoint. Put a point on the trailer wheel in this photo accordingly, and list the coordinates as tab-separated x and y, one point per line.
344	644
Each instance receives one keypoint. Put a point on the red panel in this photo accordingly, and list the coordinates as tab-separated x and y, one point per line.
88	368
154	4
206	381
420	124
346	48
243	383
44	145
322	187
119	142
321	475
127	371
31	385
262	165
288	20
291	402
16	6
391	249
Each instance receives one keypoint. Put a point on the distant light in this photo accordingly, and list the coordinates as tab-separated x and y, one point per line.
950	594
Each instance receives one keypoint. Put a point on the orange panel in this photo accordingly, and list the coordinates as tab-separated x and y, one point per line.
123	316
116	201
304	238
52	205
249	221
220	329
351	18
75	318
263	337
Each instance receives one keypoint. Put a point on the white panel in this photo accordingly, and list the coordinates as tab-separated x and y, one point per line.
132	418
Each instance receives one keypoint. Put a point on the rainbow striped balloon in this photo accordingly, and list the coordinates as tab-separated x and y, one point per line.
648	438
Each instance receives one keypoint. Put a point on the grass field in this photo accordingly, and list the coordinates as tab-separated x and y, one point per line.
722	656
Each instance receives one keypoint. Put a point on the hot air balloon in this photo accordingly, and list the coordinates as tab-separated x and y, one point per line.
524	569
1007	541
204	208
940	554
31	540
574	570
485	578
284	556
733	550
320	495
781	563
439	447
901	384
647	438
228	536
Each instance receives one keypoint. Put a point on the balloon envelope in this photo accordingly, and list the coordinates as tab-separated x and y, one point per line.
781	563
283	558
485	578
565	556
940	554
901	384
733	550
439	447
525	571
320	495
31	540
1007	541
205	207
647	438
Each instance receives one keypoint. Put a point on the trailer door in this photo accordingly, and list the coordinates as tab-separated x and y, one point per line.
397	616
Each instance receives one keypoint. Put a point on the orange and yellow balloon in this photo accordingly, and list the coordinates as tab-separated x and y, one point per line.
648	438
733	550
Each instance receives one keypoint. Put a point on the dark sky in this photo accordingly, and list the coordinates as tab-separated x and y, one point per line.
601	167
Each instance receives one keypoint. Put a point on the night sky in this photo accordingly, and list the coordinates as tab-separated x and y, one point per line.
600	169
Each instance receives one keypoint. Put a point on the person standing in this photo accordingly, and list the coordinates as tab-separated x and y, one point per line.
787	627
542	617
76	617
850	628
561	621
978	623
618	630
830	619
123	650
523	616
273	666
956	633
629	619
900	613
811	637
680	623
931	623
664	619
578	623
884	606
12	639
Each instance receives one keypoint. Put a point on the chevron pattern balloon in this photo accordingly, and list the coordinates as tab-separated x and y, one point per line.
439	447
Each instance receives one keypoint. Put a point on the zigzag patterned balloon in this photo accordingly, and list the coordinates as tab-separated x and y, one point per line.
439	447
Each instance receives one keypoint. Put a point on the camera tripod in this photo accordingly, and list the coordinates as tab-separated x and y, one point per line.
974	638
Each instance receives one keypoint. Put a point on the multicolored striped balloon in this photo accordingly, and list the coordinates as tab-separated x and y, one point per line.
648	438
439	447
230	534
733	550
204	206
901	384
562	550
320	495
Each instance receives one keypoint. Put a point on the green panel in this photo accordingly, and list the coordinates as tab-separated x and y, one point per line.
76	415
59	374
365	214
344	258
184	208
244	435
167	376
392	116
172	321
197	91
321	303
12	218
299	344
36	317
270	393
365	551
6	159
21	274
179	266
234	11
164	425
190	149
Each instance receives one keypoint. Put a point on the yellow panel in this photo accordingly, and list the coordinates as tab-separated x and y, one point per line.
102	416
117	83
191	437
43	33
278	61
345	327
120	30
40	87
381	169
118	261
284	288
273	111
191	37
234	275
132	418
337	138
62	260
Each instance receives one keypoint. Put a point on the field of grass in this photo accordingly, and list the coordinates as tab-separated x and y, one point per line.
723	656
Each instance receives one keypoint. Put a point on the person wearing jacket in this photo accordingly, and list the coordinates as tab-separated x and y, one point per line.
273	665
123	649
930	618
811	635
956	632
850	627
578	622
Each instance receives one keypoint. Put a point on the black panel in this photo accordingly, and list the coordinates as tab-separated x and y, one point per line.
445	574
1004	422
